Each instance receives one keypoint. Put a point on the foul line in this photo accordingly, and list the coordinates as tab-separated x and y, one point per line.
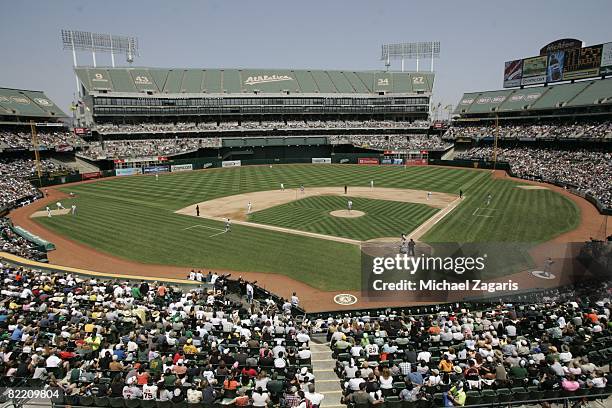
433	220
218	233
485	208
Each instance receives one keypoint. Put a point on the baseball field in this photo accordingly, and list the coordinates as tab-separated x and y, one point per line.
308	236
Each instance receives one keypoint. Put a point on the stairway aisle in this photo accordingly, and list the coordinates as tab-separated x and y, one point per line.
326	380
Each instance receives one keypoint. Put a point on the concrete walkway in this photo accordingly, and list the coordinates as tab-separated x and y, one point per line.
326	380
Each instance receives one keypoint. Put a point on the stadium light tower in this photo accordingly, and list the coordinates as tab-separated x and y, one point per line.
95	42
415	50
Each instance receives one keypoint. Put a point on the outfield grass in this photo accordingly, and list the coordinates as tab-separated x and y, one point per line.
133	218
382	218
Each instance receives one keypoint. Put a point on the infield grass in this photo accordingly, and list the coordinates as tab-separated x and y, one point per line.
133	218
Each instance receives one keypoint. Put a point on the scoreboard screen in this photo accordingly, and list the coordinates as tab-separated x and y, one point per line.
582	62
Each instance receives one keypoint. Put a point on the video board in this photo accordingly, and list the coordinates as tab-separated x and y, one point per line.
561	60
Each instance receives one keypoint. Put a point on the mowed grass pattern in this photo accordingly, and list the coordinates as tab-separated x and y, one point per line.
133	218
382	218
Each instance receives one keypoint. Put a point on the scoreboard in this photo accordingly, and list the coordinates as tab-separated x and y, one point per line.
561	60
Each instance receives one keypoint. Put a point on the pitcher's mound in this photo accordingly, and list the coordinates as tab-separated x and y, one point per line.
347	213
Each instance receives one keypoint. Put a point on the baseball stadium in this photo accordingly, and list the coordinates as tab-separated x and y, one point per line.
306	238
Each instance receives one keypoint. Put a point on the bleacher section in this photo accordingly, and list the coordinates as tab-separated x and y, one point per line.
535	99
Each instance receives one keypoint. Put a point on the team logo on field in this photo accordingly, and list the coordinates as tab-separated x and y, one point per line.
345	299
262	79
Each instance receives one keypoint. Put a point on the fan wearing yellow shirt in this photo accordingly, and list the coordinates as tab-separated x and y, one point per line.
189	348
455	397
93	341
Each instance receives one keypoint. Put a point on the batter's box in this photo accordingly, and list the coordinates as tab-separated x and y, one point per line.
485	212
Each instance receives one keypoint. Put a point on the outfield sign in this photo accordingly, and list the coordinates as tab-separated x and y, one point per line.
416	162
91	175
181	167
321	160
156	169
396	162
368	160
128	172
231	163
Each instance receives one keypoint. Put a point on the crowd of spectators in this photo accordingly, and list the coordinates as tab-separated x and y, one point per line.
180	127
147	147
558	344
14	186
97	339
578	130
60	140
393	142
587	170
14	244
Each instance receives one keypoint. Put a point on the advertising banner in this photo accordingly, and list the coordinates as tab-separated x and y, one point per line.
554	72
181	167
321	160
156	169
91	175
416	162
582	63
397	162
231	163
81	131
606	59
534	70
513	72
128	172
368	160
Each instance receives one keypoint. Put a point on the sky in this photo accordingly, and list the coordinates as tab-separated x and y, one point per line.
476	36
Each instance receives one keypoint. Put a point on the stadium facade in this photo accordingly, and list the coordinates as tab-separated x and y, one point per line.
132	94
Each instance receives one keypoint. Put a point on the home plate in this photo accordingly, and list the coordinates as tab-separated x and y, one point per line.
43	213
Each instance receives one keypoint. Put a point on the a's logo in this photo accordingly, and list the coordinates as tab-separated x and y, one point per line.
345	299
262	79
20	99
467	101
516	98
383	82
498	99
43	102
486	99
533	96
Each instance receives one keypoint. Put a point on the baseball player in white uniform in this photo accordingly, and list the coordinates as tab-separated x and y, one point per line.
371	183
59	206
349	205
249	206
73	209
48	212
282	186
428	195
